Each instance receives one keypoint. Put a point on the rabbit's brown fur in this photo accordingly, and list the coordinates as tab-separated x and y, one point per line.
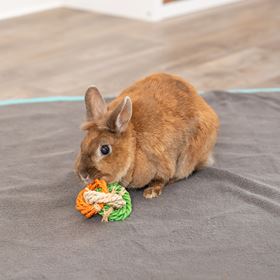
169	132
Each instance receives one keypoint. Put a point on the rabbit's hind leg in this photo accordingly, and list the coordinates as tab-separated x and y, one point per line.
184	167
207	162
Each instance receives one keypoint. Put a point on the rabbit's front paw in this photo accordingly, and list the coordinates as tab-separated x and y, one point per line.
153	191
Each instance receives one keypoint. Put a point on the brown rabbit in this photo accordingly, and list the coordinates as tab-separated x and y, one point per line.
156	131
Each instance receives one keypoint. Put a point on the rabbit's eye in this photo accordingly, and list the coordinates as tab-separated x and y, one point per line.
105	149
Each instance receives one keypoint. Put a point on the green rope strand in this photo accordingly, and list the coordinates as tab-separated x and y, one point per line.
121	213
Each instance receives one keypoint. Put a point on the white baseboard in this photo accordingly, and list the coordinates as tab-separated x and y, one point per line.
149	10
15	8
137	9
190	6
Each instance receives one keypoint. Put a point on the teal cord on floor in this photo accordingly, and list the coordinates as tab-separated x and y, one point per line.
254	90
81	98
41	100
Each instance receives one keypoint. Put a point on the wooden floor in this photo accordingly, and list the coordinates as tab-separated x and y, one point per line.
62	51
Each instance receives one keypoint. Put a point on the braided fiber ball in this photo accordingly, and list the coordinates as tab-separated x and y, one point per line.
121	213
111	201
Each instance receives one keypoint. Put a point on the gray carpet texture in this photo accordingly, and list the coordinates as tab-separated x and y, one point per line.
223	222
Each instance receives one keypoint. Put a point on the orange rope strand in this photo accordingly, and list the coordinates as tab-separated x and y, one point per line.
85	208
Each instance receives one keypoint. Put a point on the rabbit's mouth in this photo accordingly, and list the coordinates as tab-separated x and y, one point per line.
86	180
89	179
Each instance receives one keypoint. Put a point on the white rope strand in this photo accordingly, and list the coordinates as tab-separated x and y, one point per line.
112	199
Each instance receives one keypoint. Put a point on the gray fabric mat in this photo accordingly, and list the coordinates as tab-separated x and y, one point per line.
221	223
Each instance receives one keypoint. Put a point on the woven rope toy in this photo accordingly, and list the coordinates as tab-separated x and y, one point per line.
111	201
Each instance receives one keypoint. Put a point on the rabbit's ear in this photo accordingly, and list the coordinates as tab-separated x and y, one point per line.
95	104
121	116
